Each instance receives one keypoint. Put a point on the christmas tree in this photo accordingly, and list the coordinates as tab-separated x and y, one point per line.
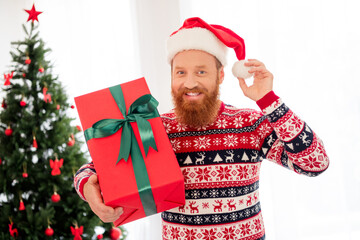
188	160
40	152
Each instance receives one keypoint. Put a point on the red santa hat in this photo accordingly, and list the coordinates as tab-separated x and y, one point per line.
196	34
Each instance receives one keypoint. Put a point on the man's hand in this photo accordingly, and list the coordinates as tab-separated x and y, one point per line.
263	80
93	196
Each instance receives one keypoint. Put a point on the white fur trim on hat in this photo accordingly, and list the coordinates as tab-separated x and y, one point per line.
240	70
196	38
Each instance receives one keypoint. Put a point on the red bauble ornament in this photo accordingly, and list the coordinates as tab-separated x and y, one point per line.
41	69
8	131
115	233
35	145
79	128
25	175
22	103
28	61
72	106
55	197
22	205
33	14
58	107
0	161
49	231
3	104
100	236
24	75
71	142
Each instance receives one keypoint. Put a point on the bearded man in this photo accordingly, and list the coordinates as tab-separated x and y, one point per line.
219	147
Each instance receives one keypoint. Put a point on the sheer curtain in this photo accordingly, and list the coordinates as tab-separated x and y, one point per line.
311	47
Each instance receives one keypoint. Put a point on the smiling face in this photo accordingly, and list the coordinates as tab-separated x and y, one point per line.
196	76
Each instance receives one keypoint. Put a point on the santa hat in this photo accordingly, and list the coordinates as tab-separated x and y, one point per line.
196	34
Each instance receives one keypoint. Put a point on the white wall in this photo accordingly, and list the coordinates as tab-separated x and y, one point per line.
93	44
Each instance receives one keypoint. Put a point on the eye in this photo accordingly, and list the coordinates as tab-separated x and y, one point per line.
201	72
180	72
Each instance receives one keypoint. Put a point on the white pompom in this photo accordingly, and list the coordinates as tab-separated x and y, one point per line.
240	70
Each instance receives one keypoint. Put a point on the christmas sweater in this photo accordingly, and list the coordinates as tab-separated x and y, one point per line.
221	166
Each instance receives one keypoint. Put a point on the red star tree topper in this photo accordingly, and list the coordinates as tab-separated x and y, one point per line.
33	14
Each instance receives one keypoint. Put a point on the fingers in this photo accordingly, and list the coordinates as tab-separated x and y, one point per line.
256	66
254	63
93	196
106	213
243	85
93	179
262	82
260	69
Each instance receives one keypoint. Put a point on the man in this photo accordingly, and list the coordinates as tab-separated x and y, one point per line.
219	147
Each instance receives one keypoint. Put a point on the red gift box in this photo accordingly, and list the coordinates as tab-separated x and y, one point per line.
117	181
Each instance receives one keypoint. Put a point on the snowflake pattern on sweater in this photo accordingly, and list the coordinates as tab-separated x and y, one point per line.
221	166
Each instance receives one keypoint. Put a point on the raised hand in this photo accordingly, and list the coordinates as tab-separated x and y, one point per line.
263	80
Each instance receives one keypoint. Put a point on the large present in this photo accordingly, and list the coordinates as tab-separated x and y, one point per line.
133	158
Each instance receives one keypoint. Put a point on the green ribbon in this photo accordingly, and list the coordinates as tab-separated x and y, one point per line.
140	110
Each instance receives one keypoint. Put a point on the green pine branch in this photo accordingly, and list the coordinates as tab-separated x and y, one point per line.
52	128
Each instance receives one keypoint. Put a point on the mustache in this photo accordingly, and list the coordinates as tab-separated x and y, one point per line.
192	90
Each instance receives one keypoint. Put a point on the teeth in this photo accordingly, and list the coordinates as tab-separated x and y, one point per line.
192	94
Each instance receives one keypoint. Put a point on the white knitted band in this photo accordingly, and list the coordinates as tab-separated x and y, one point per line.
196	39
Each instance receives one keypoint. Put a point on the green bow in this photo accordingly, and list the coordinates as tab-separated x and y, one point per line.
140	110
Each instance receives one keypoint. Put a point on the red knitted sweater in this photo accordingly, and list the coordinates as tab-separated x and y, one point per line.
221	166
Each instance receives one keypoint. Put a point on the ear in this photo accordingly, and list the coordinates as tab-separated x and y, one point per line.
171	70
221	75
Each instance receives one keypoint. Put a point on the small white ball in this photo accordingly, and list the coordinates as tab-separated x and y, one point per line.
240	70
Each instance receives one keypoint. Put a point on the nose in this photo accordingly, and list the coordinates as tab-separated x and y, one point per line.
190	82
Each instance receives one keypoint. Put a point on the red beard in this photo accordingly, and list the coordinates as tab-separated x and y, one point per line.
196	113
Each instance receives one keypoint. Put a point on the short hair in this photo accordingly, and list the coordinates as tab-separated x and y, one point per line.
218	63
